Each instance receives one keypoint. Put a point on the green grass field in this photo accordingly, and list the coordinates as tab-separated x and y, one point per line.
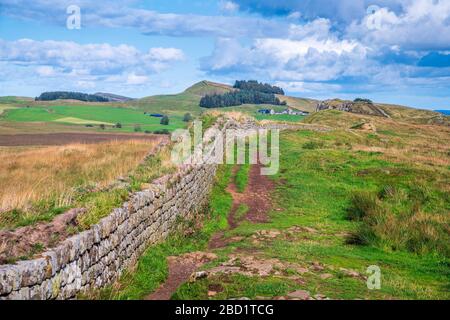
317	181
94	115
279	117
320	175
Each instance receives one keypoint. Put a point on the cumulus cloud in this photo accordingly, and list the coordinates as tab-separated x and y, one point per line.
313	46
343	10
134	79
166	54
423	25
45	71
121	14
412	24
79	59
87	63
393	47
307	87
310	59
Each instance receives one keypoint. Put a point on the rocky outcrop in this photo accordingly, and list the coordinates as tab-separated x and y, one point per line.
360	107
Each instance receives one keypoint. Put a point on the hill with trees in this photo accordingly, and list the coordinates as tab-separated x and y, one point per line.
247	92
113	97
237	98
69	95
253	85
205	87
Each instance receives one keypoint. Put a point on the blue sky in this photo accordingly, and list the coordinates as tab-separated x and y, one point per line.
395	51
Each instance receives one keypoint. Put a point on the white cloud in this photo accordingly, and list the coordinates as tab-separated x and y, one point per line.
308	87
423	25
294	15
342	11
228	6
134	79
67	65
314	42
310	59
286	49
70	59
120	14
85	84
166	54
45	71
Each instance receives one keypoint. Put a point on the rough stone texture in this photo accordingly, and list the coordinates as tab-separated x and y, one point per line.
98	256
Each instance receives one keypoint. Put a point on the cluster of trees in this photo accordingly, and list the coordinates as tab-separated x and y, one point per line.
162	131
237	98
164	121
253	85
54	95
187	117
363	100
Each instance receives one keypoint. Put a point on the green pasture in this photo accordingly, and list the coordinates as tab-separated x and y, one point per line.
130	119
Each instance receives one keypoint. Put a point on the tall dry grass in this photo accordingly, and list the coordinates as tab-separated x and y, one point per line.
32	174
413	219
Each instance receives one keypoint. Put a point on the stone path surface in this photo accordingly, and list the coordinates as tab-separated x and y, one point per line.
180	270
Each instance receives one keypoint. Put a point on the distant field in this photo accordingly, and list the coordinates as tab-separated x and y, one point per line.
252	110
5	107
65	138
14	99
29	116
82	121
94	115
36	182
280	117
299	103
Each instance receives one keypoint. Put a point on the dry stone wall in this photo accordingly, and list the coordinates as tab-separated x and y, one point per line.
98	256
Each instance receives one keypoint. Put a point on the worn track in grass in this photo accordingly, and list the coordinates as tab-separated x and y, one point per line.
256	196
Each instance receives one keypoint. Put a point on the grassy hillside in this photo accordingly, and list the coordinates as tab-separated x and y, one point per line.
207	87
14	99
188	101
419	116
401	113
302	104
176	104
70	115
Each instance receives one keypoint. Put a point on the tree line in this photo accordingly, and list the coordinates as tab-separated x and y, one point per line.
363	100
250	92
54	95
253	85
237	98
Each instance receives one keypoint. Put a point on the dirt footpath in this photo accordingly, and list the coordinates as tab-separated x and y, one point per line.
57	139
256	196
